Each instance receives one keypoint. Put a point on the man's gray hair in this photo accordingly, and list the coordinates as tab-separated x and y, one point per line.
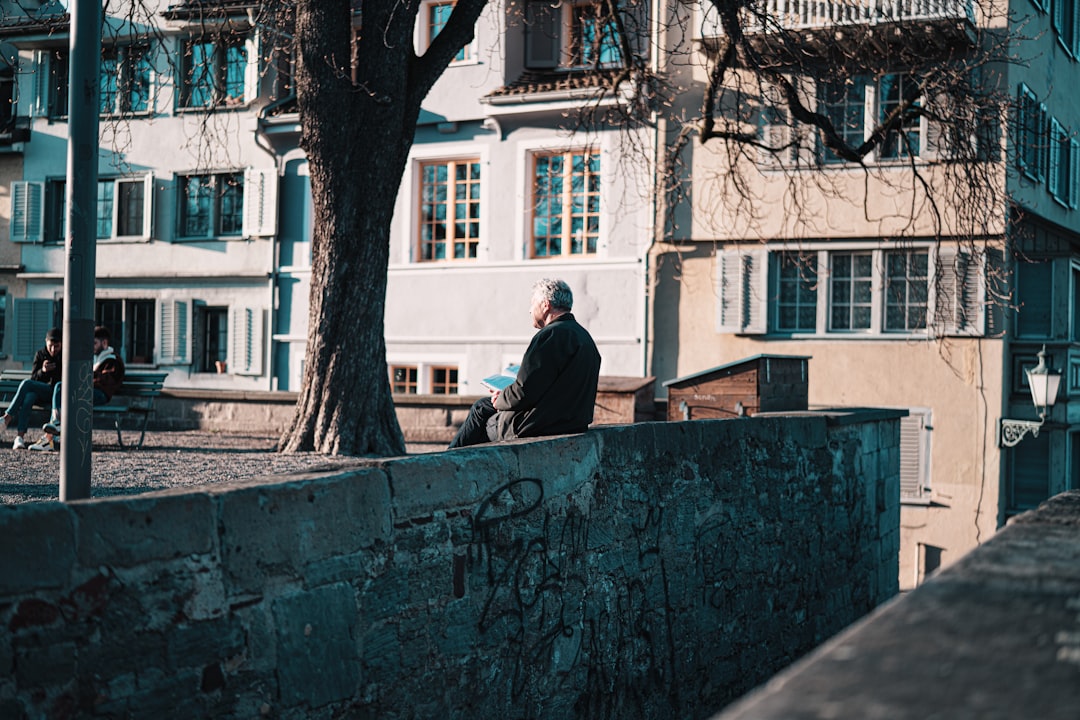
555	292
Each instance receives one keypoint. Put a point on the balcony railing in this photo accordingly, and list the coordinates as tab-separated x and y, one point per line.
808	14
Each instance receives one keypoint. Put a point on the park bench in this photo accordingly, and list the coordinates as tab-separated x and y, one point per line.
134	400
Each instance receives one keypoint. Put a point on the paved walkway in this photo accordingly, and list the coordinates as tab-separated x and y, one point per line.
166	460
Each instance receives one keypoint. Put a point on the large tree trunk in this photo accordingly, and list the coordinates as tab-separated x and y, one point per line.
356	148
357	136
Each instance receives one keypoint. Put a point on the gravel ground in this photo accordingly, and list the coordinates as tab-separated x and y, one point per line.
166	460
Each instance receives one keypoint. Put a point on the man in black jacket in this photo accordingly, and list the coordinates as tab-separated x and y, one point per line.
555	390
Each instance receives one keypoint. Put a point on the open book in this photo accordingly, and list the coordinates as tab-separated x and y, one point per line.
496	383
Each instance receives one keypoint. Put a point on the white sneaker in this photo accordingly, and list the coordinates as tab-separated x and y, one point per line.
45	443
19	443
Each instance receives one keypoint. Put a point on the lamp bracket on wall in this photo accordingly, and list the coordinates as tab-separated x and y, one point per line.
1013	431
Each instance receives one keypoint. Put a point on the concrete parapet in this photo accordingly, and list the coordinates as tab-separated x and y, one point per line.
646	570
995	636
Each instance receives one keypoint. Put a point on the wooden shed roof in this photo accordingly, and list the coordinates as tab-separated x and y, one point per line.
731	365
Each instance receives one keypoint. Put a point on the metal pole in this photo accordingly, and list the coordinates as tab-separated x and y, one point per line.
82	171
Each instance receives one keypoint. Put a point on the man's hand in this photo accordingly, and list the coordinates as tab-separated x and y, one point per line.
494	396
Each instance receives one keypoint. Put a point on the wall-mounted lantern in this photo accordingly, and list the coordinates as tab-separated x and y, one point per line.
1043	383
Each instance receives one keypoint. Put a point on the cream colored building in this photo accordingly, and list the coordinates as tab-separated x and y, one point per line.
896	305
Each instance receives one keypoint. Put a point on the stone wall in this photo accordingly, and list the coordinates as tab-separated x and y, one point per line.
655	570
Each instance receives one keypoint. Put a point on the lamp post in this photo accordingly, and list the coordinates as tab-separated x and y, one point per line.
1043	383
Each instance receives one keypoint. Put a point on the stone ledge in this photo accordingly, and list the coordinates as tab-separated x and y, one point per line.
997	635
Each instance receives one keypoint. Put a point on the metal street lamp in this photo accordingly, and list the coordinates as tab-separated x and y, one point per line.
1043	383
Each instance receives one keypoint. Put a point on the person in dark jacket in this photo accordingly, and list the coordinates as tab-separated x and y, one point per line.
555	389
108	376
45	373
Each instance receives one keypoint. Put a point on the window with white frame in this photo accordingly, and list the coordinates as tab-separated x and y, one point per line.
123	209
433	18
850	291
907	283
903	139
571	35
565	203
796	292
211	205
218	72
126	80
432	378
449	223
843	102
866	291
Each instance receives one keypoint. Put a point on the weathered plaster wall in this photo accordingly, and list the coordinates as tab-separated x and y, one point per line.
651	570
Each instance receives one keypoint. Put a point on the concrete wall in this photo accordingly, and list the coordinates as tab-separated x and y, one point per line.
648	570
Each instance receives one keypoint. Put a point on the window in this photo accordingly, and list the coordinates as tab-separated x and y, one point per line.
211	205
566	203
906	286
123	208
902	140
850	284
449	210
444	380
571	35
131	323
214	73
796	304
1030	133
214	339
875	291
52	66
844	104
915	456
593	40
126	75
436	15
403	379
125	81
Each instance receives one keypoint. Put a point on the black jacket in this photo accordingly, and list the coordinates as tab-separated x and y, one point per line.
555	390
38	371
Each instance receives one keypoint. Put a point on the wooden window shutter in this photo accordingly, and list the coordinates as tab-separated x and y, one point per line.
246	341
251	70
960	292
741	291
915	455
27	211
260	202
175	332
33	318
